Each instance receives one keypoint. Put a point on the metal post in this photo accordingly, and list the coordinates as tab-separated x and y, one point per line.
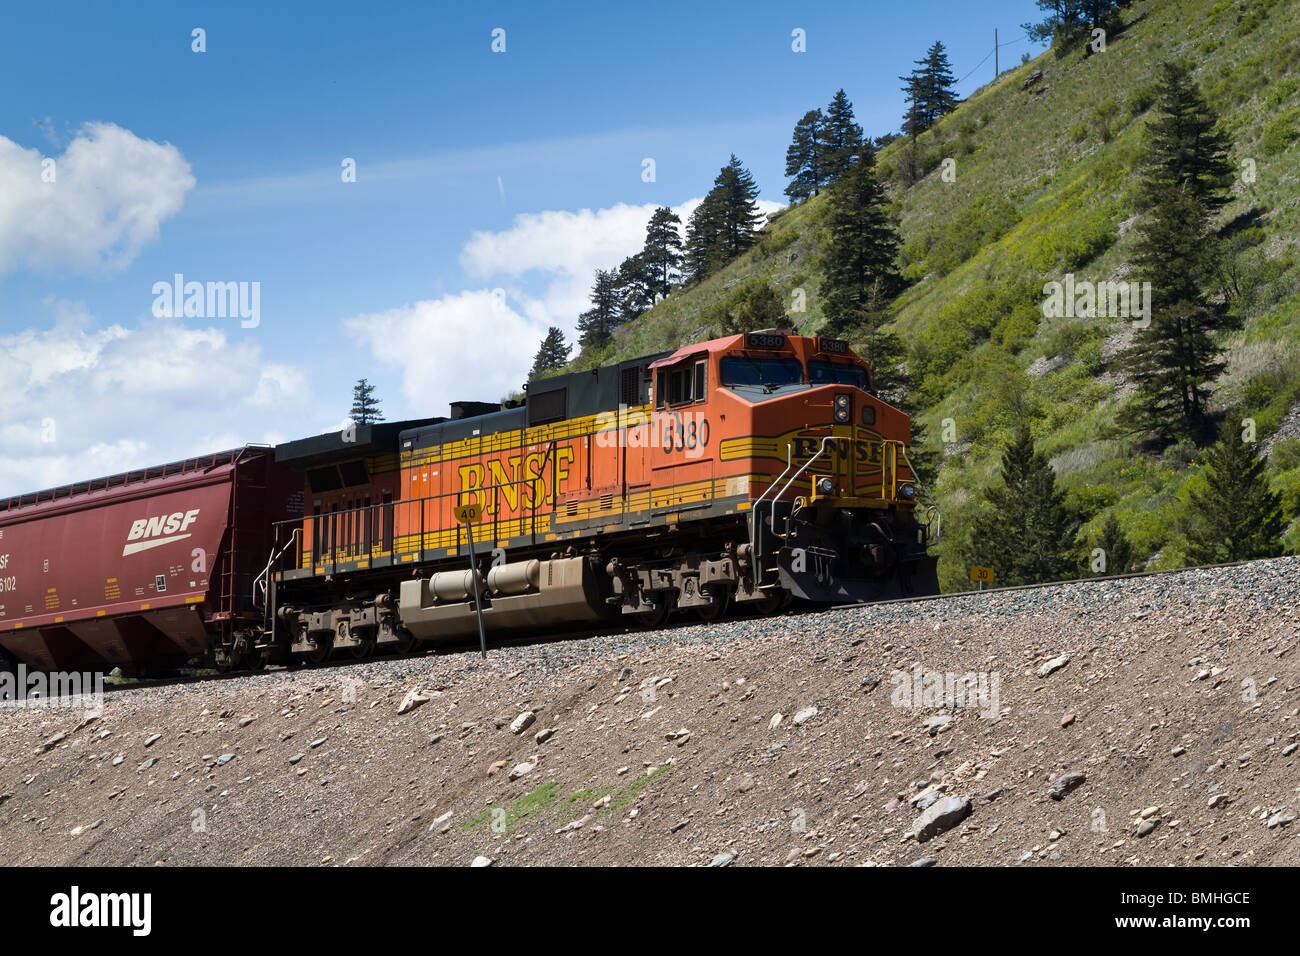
995	53
473	577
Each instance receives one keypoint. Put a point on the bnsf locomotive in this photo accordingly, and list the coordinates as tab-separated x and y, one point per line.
748	470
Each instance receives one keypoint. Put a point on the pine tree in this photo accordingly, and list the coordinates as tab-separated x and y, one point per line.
914	123
637	285
1176	357
1115	546
939	97
804	160
1070	20
724	224
928	91
1027	532
365	407
663	249
596	325
1185	149
552	355
843	138
1235	517
859	261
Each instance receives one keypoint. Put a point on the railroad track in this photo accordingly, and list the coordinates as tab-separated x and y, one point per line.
587	633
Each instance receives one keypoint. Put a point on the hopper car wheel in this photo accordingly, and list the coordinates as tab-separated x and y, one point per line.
716	610
772	601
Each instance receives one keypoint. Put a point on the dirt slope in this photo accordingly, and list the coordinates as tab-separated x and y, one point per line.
1179	694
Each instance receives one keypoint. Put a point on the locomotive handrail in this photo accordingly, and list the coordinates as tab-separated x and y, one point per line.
934	505
262	579
795	476
753	511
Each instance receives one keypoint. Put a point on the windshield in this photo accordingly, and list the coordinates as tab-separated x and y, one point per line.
838	373
767	372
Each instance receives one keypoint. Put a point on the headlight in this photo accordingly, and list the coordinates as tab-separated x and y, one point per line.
843	409
825	486
907	491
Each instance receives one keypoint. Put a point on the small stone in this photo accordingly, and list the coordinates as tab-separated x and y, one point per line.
520	770
1067	720
54	741
496	767
937	723
522	722
482	861
722	859
775	722
245	721
1280	819
924	861
1065	783
152	739
317	742
1218	800
146	765
412	700
1146	826
805	715
1289	749
296	757
943	815
225	759
1054	665
1178	751
544	735
445	818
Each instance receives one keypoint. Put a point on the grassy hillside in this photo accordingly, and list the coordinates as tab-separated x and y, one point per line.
1044	184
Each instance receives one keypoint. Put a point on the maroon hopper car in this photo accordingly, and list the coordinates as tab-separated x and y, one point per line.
144	569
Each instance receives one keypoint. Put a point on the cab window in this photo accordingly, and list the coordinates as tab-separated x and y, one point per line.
767	372
682	385
838	373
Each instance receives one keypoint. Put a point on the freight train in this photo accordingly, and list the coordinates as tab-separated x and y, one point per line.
746	471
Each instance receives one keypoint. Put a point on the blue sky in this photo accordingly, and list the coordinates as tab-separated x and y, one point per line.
473	169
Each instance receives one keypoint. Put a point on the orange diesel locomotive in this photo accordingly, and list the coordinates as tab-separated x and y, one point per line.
753	469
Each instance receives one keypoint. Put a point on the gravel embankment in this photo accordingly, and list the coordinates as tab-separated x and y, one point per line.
1163	712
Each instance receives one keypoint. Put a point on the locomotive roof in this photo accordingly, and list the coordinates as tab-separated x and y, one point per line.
378	438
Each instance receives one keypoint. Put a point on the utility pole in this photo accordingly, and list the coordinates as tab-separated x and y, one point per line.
996	72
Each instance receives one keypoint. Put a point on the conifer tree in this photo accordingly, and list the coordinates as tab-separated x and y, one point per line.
1177	356
843	137
1235	517
663	249
637	285
928	91
596	325
1115	546
552	355
1026	534
1185	149
859	261
805	160
365	407
723	225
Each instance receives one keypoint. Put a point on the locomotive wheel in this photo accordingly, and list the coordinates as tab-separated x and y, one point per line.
406	641
653	619
320	653
363	651
256	660
721	603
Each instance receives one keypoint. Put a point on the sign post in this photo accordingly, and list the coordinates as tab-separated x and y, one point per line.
981	575
467	515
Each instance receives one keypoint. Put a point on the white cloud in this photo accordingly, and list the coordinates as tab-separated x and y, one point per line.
474	346
466	347
84	401
110	194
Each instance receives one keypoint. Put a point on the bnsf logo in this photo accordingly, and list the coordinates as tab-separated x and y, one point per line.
151	532
4	560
